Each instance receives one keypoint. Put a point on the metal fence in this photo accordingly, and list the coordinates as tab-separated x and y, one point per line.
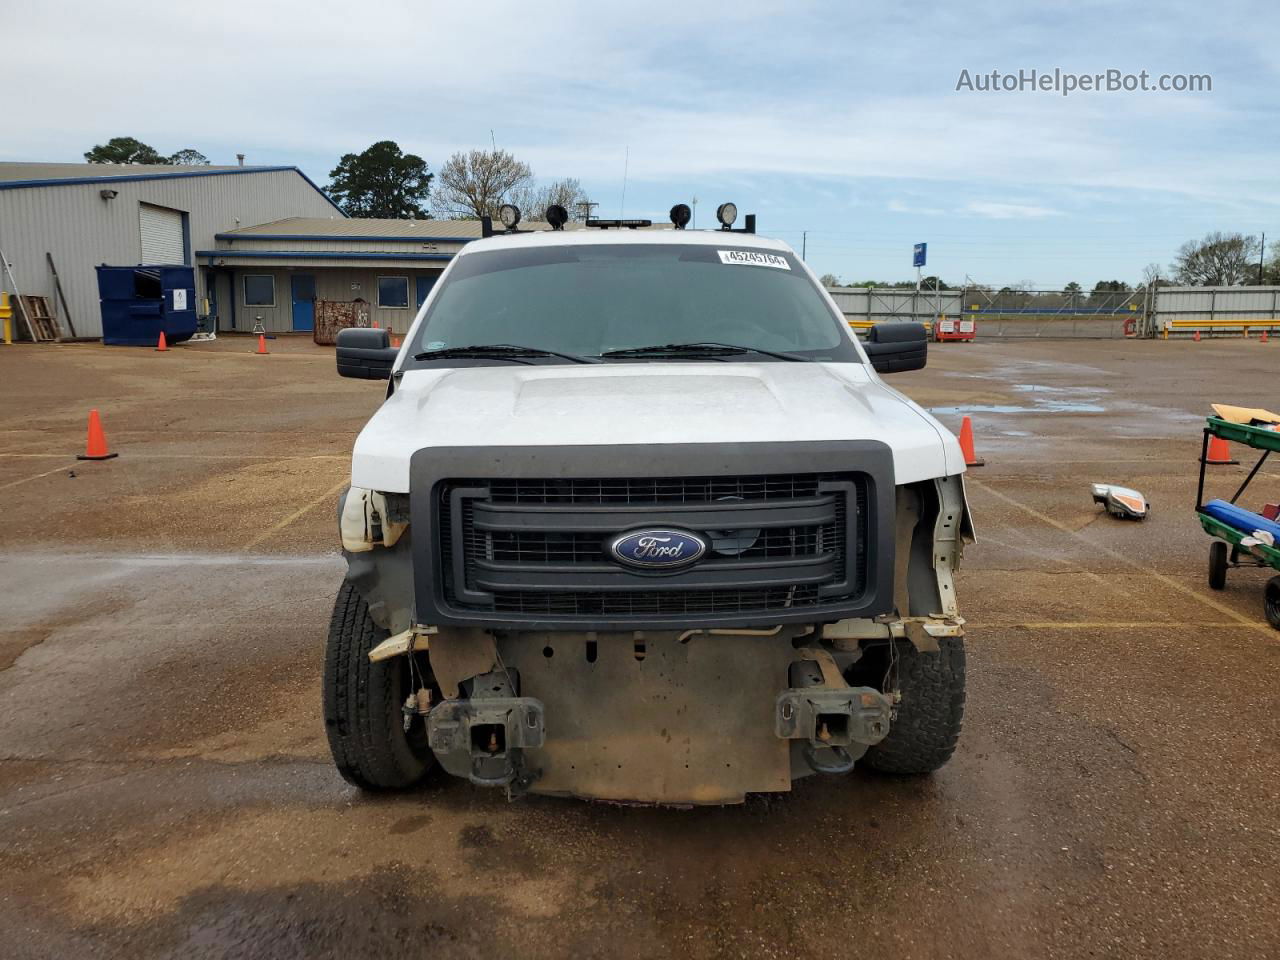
1062	314
1007	312
1182	311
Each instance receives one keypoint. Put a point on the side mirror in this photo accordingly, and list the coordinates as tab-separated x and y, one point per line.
365	353
895	347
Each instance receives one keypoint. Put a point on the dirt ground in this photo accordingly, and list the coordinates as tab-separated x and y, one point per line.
166	791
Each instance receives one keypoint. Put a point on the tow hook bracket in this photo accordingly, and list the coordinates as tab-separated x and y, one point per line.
484	739
831	721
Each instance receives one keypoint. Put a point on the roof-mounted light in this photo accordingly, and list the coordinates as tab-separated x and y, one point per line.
557	216
681	215
509	214
726	213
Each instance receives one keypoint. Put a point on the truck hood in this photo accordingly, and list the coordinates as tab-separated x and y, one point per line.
646	403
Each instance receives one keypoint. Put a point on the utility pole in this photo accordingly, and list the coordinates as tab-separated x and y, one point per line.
694	224
1261	250
626	162
804	244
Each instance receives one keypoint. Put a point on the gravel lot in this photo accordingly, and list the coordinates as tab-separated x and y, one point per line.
165	787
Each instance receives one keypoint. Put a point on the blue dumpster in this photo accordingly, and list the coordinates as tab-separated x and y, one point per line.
140	302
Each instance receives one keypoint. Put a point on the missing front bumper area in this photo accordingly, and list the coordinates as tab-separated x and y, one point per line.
485	739
658	721
838	725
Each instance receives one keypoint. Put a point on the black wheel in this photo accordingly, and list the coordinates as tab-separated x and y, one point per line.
923	735
1217	565
1271	602
363	704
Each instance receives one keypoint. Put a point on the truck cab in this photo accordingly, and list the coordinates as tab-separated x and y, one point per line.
640	521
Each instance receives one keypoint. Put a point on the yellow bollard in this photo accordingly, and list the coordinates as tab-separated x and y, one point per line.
6	317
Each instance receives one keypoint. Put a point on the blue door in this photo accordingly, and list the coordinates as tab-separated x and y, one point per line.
302	287
424	287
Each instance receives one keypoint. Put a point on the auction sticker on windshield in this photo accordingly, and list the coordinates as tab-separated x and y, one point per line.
754	258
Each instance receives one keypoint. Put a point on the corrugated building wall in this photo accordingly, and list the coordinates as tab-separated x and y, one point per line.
343	283
80	229
1214	305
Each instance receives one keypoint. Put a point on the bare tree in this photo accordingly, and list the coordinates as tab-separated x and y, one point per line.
473	185
1219	260
533	201
829	280
1271	275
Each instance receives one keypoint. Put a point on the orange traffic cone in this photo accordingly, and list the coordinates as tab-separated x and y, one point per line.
162	345
971	459
1218	452
95	447
262	344
1196	338
1264	336
395	342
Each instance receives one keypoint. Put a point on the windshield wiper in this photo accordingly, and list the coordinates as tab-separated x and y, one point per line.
706	348
499	351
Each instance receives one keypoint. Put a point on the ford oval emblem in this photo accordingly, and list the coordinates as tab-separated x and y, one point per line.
657	549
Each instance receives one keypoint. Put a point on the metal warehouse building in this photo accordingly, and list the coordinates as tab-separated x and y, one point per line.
81	215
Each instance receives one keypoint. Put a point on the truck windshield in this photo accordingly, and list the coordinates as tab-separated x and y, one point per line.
590	300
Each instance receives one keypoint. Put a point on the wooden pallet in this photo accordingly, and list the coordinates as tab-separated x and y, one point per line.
40	319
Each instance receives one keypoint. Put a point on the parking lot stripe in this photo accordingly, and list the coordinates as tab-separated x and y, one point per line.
14	483
1106	583
1118	624
301	511
1116	554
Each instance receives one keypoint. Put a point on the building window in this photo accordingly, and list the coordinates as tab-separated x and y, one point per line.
393	292
259	290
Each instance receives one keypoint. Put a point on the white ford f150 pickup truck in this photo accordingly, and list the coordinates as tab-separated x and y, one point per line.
639	521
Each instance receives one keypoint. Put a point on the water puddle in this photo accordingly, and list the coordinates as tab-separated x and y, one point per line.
1044	406
1042	400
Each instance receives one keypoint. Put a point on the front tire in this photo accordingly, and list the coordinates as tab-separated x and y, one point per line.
923	736
363	704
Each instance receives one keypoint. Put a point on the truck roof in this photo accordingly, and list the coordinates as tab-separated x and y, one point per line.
614	235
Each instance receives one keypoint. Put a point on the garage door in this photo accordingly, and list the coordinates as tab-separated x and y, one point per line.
162	235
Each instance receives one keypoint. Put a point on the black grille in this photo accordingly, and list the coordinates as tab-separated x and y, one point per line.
538	548
655	489
515	546
656	604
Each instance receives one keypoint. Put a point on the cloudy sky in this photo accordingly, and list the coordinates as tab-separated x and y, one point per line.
841	120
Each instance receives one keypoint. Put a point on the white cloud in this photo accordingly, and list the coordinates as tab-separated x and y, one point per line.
1009	211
